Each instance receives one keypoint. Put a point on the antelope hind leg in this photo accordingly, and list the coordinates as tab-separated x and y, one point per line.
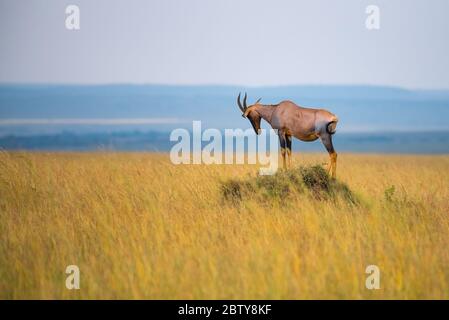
327	142
333	164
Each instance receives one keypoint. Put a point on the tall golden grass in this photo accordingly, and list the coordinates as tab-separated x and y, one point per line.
140	227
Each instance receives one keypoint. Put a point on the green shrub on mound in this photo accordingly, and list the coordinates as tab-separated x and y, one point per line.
311	180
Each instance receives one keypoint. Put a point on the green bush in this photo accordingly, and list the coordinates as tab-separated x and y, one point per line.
287	183
316	179
389	193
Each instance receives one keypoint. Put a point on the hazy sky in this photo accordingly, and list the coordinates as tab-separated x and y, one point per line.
243	42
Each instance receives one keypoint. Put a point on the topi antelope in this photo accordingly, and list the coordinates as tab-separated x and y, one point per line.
289	119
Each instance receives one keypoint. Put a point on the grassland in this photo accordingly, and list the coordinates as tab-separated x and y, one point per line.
140	227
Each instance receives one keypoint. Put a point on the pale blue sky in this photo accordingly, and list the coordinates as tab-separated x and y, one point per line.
244	42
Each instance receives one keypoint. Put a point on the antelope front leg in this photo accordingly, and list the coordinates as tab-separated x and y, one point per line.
284	154
282	141
288	141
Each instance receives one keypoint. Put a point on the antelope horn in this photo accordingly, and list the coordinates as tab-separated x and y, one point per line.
244	102
258	100
240	104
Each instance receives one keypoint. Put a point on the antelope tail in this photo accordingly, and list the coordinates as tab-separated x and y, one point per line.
331	127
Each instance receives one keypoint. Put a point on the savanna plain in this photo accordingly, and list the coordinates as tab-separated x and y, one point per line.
138	226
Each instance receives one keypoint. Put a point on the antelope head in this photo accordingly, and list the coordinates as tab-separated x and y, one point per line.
250	113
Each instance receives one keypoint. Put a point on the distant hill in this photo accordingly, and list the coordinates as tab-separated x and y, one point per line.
360	108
